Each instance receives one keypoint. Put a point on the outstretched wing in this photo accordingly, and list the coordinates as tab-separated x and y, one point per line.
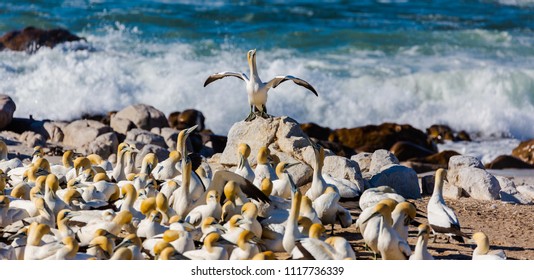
280	79
221	75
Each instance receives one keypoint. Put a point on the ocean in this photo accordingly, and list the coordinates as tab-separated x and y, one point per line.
466	64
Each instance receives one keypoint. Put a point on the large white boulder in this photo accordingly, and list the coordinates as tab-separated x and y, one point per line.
82	132
140	115
401	178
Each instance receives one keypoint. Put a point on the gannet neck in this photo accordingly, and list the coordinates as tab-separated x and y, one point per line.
439	180
3	150
316	230
482	242
67	159
251	57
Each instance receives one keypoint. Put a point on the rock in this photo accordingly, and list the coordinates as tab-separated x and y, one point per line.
401	178
146	137
280	134
370	197
404	151
30	39
343	168
456	162
476	182
189	118
370	138
7	109
32	139
452	192
142	116
525	151
104	145
55	130
316	131
170	135
364	161
509	192
381	158
82	132
506	161
300	173
121	126
432	162
160	152
173	119
248	132
526	191
440	133
216	142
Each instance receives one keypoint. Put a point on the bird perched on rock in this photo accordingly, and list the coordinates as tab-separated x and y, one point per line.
256	89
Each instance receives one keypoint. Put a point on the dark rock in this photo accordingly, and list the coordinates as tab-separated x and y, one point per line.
506	161
372	137
525	151
189	118
30	39
316	131
173	119
404	150
439	133
216	142
7	109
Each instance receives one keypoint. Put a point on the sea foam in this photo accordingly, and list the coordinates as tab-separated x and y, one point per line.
486	93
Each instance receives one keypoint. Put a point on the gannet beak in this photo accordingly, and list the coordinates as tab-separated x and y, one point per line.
220	227
366	220
72	214
191	129
188	226
292	164
124	243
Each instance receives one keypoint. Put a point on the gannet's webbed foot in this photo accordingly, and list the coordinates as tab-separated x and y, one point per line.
251	117
252	114
263	113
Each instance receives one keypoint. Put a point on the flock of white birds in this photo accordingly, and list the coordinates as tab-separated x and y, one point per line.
89	208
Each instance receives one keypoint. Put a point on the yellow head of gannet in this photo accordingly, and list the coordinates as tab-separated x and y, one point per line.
244	150
3	150
52	182
264	155
181	140
316	230
149	162
421	250
80	164
159	247
306	224
68	159
36	232
249	210
72	246
100	177
267	255
38	152
147	206
213	195
266	186
122	254
210	240
210	223
230	191
482	251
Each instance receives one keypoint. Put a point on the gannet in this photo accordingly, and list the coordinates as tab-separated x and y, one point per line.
122	254
263	167
249	211
421	250
86	233
7	164
63	228
307	210
132	242
211	208
209	251
281	186
38	153
369	224
69	250
151	226
318	185
441	217
243	167
102	244
390	244
403	214
256	89
263	256
341	247
313	248
167	169
329	211
291	232
482	251
169	253
372	196
150	161
35	249
118	171
246	248
67	163
181	240
181	198
9	216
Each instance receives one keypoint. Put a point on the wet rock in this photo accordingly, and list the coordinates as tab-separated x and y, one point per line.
370	138
30	39
525	151
160	152
140	115
404	150
82	132
432	162
316	131
189	118
440	133
506	161
7	109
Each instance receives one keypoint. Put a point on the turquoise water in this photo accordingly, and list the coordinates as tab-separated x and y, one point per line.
468	64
